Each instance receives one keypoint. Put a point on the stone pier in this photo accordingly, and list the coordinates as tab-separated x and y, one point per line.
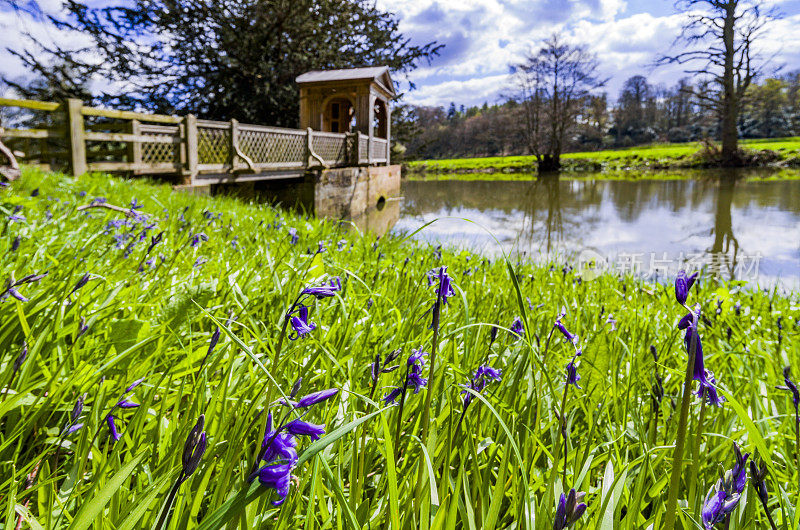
341	193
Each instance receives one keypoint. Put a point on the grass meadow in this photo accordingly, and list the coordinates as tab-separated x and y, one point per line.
190	295
643	156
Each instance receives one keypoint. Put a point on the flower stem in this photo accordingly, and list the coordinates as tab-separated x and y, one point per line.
400	416
695	470
564	435
163	519
677	455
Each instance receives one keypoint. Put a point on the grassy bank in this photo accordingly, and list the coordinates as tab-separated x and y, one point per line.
776	153
163	281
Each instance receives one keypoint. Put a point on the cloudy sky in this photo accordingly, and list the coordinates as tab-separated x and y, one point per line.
483	37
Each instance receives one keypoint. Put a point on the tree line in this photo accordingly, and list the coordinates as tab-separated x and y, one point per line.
641	113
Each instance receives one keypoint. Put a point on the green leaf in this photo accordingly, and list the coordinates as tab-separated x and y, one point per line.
92	509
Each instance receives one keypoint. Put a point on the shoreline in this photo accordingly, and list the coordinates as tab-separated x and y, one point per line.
775	154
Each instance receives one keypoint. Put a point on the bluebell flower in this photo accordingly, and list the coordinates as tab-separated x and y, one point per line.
723	497
199	262
300	323
299	427
791	387
570	508
517	327
16	218
193	449
198	238
35	192
15	244
484	375
413	376
82	327
444	287
324	290
708	384
280	457
572	374
294	238
112	428
72	424
135	205
122	403
316	397
682	286
569	336
81	282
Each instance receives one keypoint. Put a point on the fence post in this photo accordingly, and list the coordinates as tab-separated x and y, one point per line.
135	148
76	137
358	148
309	146
234	143
192	154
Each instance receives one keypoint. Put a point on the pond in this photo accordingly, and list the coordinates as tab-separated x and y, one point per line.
746	227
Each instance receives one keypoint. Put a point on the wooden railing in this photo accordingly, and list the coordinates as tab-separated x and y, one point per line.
73	137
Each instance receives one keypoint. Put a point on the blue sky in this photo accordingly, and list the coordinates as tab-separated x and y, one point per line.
483	38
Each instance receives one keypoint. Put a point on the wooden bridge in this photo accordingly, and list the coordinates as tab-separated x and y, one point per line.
70	136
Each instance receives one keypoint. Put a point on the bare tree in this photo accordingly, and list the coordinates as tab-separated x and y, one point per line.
553	83
720	37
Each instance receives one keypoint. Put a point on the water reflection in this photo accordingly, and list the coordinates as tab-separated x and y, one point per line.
728	223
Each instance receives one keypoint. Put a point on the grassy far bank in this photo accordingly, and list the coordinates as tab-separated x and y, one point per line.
150	308
755	174
655	156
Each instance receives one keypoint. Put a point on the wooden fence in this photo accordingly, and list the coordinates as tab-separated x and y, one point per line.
73	137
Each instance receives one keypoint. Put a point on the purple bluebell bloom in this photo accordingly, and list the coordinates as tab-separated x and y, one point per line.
518	328
484	375
280	456
198	238
708	384
82	327
81	282
199	262
14	218
739	470
300	323
294	238
572	374
683	284
570	508
15	244
723	497
324	290
413	376
444	284
569	336
791	387
21	356
299	427
193	449
316	397
73	425
134	384
35	192
112	428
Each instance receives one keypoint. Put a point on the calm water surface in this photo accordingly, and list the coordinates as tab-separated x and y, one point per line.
746	229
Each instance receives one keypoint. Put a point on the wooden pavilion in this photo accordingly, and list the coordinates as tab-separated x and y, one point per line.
350	100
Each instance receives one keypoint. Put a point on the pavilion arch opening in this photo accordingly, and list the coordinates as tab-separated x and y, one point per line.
380	119
340	115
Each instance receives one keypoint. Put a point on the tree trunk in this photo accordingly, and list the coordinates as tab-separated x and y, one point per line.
730	103
549	163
